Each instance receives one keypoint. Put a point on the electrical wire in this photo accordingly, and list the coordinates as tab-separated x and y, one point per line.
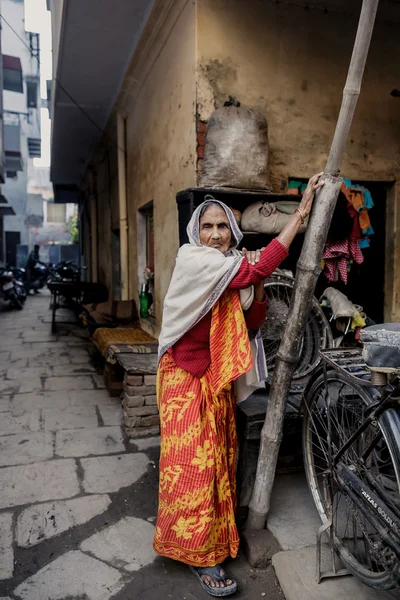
60	85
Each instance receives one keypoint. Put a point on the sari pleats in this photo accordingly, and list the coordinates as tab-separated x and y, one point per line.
197	490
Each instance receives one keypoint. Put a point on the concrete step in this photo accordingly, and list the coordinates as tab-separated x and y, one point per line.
294	522
295	570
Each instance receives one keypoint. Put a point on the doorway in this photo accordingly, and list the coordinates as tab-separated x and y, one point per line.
366	282
13	239
366	285
116	266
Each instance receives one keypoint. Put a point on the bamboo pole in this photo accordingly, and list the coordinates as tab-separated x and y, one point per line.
308	270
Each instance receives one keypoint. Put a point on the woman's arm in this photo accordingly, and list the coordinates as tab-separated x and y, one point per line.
257	313
290	230
262	263
251	274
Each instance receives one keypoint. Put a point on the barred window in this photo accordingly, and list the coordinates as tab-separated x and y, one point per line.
55	213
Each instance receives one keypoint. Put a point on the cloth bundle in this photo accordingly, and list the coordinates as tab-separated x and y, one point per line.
237	149
339	255
338	258
359	203
269	218
116	313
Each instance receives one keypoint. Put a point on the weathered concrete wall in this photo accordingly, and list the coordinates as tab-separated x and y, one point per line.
285	60
291	62
105	169
158	102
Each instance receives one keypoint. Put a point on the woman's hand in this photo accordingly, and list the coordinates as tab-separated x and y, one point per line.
309	193
290	230
253	256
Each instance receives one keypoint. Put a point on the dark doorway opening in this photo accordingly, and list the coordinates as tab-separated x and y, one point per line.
116	266
366	282
13	239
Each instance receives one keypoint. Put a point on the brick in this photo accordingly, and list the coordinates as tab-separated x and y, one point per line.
141	411
201	126
200	151
133	379
150	400
201	139
150	379
143	390
137	432
130	412
149	421
132	401
132	421
129	391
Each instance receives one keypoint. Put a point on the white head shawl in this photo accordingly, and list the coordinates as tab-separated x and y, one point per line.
200	277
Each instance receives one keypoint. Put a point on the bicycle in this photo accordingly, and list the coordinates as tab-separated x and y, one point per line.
351	445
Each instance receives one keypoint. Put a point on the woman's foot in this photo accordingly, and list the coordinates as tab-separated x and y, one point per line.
214	580
209	580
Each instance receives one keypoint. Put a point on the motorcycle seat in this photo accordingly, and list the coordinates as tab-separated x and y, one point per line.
381	347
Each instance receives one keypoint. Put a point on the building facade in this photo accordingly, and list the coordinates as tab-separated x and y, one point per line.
179	61
21	110
32	217
5	209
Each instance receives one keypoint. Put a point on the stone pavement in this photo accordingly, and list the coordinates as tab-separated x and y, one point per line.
78	500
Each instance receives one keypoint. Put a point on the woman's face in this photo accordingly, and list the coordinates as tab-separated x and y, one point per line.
215	230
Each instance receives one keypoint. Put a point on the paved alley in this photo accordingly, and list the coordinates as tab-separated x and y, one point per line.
77	500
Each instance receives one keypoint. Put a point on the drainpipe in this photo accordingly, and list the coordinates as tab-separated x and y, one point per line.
123	213
93	222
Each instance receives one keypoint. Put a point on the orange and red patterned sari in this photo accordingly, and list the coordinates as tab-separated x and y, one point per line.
197	494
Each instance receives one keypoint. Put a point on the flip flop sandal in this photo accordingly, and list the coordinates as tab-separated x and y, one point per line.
215	573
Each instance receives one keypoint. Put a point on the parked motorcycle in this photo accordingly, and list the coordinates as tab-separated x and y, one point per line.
12	290
63	271
37	278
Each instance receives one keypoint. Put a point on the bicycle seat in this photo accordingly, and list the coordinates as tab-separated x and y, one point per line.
381	347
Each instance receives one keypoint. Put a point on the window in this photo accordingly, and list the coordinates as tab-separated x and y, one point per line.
149	237
31	92
12	146
48	89
11	174
146	246
55	213
12	74
34	147
34	44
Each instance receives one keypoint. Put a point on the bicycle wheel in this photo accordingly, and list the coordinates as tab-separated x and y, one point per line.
356	541
315	337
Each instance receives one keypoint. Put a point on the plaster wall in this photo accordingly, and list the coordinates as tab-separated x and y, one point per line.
290	62
160	136
107	216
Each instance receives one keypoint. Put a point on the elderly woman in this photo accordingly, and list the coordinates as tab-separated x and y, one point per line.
211	356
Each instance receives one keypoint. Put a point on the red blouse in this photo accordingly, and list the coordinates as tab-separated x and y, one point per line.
192	351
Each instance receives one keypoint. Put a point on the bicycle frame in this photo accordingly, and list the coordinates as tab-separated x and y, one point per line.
375	505
378	514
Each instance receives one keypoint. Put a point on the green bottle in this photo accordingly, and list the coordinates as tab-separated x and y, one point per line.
144	303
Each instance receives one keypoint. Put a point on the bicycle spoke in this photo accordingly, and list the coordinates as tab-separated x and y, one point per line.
368	456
